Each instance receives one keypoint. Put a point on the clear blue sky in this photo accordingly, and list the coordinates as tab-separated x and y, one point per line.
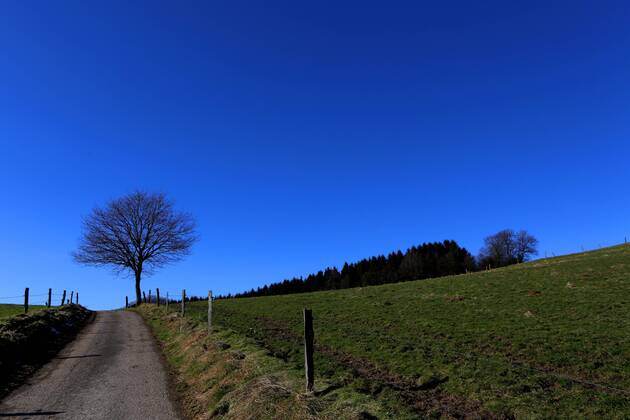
302	135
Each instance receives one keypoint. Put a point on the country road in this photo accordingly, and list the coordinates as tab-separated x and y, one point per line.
112	370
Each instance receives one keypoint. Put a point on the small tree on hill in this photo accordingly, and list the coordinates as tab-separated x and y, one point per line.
526	246
507	247
139	233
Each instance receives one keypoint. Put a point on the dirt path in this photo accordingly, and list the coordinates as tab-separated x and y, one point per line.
112	370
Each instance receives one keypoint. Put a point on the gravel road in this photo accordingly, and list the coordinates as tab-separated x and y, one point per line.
112	370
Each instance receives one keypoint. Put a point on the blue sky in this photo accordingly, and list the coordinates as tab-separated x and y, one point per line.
302	135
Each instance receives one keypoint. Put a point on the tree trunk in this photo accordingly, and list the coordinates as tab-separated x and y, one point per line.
138	292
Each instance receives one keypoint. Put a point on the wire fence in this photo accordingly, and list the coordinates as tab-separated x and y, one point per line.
170	296
48	299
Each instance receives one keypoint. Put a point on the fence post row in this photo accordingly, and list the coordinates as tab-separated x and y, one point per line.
308	349
26	300
157	292
49	296
183	302
63	298
209	311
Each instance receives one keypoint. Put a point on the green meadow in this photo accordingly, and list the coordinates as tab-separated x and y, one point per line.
7	310
548	338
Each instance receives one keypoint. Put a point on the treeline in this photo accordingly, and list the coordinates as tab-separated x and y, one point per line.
436	259
419	262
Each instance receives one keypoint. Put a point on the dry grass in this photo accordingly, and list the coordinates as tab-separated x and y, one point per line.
224	376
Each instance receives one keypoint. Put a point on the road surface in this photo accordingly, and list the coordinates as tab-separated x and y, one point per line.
112	370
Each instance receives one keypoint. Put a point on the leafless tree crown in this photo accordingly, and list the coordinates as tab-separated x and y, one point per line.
138	232
507	247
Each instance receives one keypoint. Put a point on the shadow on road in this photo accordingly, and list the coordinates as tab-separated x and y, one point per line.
36	413
78	357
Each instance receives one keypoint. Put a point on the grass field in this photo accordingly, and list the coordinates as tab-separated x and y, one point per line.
549	338
7	310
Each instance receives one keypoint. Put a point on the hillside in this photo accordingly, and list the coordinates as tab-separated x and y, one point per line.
543	339
8	310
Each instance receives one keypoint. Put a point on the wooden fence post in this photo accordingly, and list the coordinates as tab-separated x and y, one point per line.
77	301
71	296
49	296
149	295
209	311
126	302
157	292
26	300
308	349
144	297
63	298
183	302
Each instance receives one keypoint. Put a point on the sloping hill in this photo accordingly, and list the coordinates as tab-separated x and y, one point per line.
542	339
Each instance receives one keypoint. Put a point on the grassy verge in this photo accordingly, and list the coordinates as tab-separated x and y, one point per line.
8	310
227	375
27	341
539	340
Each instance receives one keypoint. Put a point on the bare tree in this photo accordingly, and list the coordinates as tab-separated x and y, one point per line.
525	245
498	249
507	247
139	233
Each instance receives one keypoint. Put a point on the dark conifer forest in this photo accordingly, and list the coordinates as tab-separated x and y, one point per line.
428	260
